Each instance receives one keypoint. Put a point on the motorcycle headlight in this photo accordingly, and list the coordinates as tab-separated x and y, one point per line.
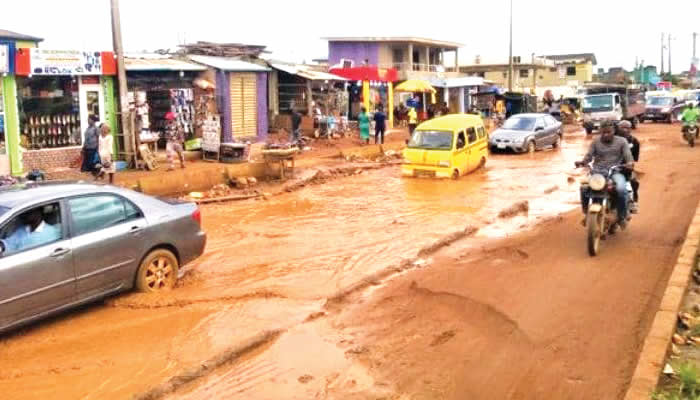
665	110
597	182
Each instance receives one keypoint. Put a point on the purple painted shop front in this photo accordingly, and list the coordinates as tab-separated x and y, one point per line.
223	100
356	51
262	105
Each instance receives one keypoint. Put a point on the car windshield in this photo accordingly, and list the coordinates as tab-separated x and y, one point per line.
438	140
660	101
597	103
519	124
3	210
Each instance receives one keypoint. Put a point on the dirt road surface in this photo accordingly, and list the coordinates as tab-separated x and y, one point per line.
530	316
489	317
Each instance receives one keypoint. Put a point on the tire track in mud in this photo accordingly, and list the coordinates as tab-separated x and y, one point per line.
133	305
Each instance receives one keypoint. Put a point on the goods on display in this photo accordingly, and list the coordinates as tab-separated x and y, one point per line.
211	134
49	112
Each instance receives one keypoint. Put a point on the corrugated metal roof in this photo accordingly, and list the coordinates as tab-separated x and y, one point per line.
5	34
156	62
306	72
228	64
401	39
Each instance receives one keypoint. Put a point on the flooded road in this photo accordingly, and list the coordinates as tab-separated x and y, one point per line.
269	264
531	316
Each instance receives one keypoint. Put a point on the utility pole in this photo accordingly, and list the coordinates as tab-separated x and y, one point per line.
534	75
695	37
510	51
121	77
663	47
670	71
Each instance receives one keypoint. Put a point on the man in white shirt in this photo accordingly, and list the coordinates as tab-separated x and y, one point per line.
32	232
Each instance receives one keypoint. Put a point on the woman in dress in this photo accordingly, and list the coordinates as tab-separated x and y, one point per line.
363	120
105	151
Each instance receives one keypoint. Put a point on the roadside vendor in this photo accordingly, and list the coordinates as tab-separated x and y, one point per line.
175	141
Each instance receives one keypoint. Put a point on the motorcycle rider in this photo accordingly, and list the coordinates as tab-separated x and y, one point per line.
690	117
608	151
624	129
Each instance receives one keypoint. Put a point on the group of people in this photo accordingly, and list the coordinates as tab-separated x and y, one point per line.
98	147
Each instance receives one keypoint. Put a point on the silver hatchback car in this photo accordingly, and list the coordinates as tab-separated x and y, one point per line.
66	244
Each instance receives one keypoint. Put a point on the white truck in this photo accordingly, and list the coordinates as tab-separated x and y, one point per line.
611	103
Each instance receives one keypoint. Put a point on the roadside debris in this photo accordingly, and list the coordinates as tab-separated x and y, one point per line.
521	207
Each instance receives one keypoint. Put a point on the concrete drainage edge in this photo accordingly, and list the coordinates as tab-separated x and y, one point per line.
192	374
653	355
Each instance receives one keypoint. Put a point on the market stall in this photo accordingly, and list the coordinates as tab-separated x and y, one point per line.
417	86
56	92
369	86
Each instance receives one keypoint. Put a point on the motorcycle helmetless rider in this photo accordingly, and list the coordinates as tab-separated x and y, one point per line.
690	116
606	152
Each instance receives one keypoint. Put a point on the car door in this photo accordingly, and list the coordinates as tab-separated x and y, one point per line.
472	153
107	241
552	129
38	276
461	158
540	132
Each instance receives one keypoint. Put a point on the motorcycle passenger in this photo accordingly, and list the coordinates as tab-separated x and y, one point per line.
608	151
690	116
624	129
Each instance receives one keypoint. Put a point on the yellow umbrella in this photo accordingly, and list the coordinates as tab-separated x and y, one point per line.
417	86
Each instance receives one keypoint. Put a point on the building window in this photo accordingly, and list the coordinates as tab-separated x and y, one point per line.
524	73
571	71
49	111
481	74
505	75
398	55
516	59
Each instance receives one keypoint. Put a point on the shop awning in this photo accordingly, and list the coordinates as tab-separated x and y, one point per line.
306	72
228	64
157	62
465	81
367	73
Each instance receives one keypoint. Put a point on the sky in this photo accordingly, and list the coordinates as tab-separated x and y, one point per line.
617	31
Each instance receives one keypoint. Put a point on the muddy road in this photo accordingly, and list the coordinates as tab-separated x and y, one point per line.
269	264
530	316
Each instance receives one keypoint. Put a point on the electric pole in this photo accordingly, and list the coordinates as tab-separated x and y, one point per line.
663	46
510	51
670	71
121	77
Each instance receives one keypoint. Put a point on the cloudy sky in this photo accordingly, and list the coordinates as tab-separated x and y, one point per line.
616	31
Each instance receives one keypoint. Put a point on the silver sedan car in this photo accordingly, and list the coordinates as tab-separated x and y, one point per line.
67	244
527	133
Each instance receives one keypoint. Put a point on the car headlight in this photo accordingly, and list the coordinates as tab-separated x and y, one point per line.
445	164
597	182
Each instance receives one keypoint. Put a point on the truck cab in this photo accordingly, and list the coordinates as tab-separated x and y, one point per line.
601	107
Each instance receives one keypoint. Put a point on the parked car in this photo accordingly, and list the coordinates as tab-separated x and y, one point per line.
67	244
527	132
663	108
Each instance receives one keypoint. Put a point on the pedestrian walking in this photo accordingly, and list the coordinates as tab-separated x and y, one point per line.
296	126
412	120
106	147
90	156
175	140
363	120
379	126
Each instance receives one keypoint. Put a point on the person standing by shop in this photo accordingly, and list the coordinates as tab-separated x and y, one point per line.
176	139
412	120
90	156
379	126
296	126
106	147
363	120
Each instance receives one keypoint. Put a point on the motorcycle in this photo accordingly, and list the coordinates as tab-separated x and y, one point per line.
601	216
690	133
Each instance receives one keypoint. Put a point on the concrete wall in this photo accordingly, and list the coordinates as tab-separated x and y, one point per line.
356	51
386	55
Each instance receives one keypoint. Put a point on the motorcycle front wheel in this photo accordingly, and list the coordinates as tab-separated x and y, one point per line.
594	233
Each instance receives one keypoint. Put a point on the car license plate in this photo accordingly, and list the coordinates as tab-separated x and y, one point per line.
501	145
425	173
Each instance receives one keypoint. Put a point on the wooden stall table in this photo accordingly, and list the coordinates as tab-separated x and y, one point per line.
283	157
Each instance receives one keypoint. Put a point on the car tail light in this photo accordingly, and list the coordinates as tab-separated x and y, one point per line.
197	216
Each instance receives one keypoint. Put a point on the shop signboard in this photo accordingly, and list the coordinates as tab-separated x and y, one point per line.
65	62
4	58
